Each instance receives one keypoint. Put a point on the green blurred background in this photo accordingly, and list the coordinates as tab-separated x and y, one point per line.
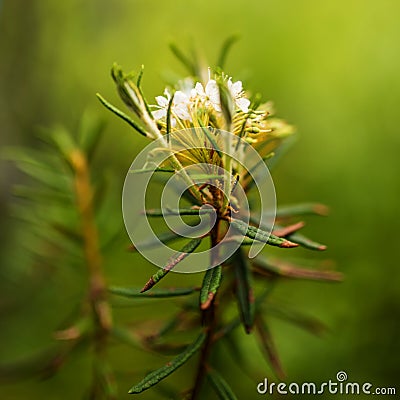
332	69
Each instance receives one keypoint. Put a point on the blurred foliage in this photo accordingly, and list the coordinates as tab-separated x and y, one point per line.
331	67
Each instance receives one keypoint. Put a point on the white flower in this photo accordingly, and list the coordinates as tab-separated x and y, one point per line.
180	106
209	95
186	86
237	93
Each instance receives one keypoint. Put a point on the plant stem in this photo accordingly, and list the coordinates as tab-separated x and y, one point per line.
209	321
98	302
84	199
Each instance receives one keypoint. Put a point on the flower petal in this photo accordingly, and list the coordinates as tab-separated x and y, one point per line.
159	114
180	97
235	88
200	89
243	104
162	101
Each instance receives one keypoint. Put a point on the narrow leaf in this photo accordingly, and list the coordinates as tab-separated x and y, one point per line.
252	170
90	131
190	247
168	117
302	209
226	46
156	212
28	161
260	235
140	76
156	376
211	138
124	335
183	59
282	231
122	115
244	289
226	102
211	282
269	348
142	171
233	324
156	294
288	270
306	242
164	237
305	322
221	387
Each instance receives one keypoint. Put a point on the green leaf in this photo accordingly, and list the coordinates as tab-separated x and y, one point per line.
127	90
34	164
164	237
158	212
124	335
288	270
104	380
122	115
306	242
90	131
229	327
259	163
168	117
189	248
280	151
41	195
260	235
191	67
156	376
142	171
269	348
63	141
146	104
296	210
211	138
156	294
226	46
220	386
299	319
140	76
211	282
227	105
244	289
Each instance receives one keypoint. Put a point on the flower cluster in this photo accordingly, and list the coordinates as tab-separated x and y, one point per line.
192	96
220	104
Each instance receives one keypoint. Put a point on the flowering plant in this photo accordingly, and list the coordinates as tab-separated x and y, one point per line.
216	144
208	120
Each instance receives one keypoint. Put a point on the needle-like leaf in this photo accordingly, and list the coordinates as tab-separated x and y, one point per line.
191	67
306	242
226	46
156	376
211	282
244	289
260	235
155	294
303	321
122	115
157	212
268	347
189	248
288	270
302	209
221	387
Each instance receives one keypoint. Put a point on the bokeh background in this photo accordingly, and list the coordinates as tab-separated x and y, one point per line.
332	69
